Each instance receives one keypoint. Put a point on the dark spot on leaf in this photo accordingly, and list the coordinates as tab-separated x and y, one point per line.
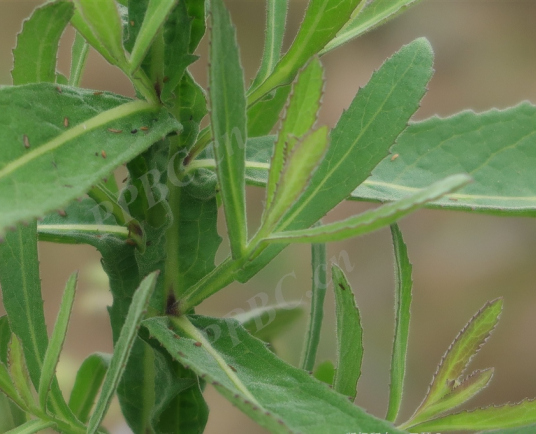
98	93
197	344
58	89
134	131
131	242
165	79
172	307
132	23
232	368
68	186
342	286
62	213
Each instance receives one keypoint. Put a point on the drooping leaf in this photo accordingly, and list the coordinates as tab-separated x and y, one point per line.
276	16
372	219
319	270
79	56
361	139
300	117
404	284
254	379
57	339
494	147
323	19
45	164
268	322
122	348
455	361
374	14
37	44
155	16
228	119
87	384
349	336
98	21
493	417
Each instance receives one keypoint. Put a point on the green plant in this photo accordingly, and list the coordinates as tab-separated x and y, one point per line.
158	237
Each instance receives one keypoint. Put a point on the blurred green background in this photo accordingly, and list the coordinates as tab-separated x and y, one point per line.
485	57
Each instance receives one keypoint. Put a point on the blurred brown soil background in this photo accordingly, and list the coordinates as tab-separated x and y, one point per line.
485	57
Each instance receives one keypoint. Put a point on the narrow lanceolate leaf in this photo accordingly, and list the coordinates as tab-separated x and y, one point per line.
403	284
461	351
32	426
122	349
99	23
57	339
295	174
349	336
319	269
461	392
323	19
361	139
88	382
300	117
276	16
79	54
529	429
19	372
493	417
376	13
155	16
58	143
373	219
264	114
6	386
37	44
493	147
228	113
249	375
268	322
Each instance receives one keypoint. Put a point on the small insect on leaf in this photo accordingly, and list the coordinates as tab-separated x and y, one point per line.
62	213
113	130
26	141
132	23
65	122
394	157
197	344
103	154
98	93
144	128
59	89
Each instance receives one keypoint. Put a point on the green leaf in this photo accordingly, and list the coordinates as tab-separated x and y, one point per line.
5	336
79	56
19	373
155	17
21	290
32	426
259	151
268	322
11	416
245	372
325	372
264	114
99	23
372	219
122	349
461	392
37	44
404	284
88	382
493	417
375	13
319	269
57	339
276	16
228	113
494	147
7	387
361	139
196	11
455	361
295	175
349	336
300	117
177	55
522	430
323	19
44	164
